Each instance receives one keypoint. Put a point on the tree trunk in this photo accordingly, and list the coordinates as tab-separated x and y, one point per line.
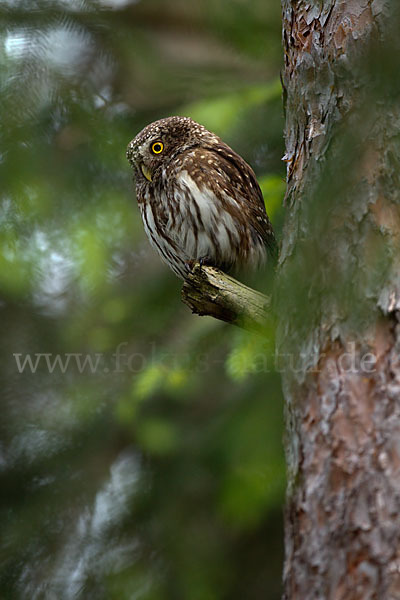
338	299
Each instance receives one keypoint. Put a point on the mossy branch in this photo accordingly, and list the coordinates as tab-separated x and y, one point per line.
209	291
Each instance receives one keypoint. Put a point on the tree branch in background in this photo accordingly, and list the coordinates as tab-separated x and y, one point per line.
209	291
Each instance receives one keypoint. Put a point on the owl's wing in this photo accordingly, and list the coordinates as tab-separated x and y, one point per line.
233	176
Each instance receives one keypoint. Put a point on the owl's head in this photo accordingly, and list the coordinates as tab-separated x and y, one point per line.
162	141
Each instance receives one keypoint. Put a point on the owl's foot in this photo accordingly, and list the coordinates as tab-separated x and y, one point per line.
203	260
189	264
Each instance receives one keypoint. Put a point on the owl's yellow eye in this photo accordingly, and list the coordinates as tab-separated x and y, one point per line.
157	147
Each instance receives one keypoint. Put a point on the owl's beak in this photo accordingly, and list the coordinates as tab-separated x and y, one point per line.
146	172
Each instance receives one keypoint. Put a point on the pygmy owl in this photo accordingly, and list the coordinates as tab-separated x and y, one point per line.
199	200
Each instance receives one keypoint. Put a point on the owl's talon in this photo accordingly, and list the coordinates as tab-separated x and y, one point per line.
189	265
204	260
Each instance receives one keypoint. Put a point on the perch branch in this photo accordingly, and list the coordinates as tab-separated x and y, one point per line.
209	291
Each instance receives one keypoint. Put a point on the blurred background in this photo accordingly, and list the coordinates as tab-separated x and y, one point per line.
140	447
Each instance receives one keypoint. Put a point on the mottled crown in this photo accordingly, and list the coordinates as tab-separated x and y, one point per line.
182	132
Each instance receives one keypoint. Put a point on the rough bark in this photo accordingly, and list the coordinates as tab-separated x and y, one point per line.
209	291
338	300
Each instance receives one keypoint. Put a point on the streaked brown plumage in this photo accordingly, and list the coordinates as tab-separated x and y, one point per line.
199	200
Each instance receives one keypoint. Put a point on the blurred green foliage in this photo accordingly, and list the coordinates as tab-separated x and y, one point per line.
148	464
